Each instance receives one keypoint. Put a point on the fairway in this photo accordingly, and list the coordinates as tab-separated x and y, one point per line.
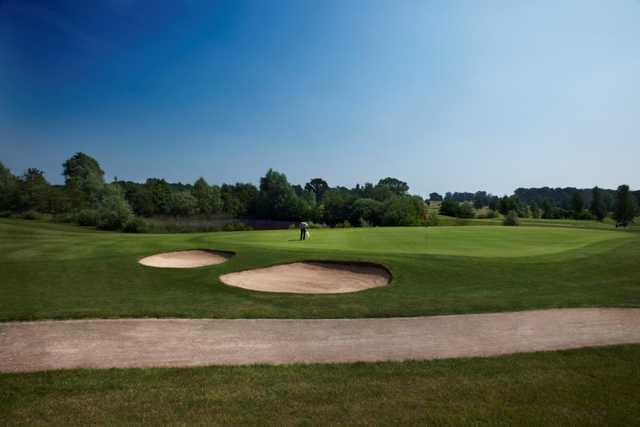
53	271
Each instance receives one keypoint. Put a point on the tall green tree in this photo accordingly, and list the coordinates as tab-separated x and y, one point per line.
449	207
367	210
183	203
598	207
140	199
547	209
404	211
318	186
113	210
84	180
480	199
395	185
160	192
511	203
577	204
465	210
239	200
33	191
338	205
277	199
625	206
207	197
8	189
435	197
535	210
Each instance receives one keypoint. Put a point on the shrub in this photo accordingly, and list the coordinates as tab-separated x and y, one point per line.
432	220
511	219
345	224
490	214
136	225
183	204
293	226
87	217
30	215
5	214
238	226
404	211
449	207
583	215
465	210
64	217
114	211
113	219
367	210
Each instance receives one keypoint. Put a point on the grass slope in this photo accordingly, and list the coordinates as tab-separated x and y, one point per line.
586	387
59	271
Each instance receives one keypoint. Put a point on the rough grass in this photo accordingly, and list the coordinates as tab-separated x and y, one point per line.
61	271
586	387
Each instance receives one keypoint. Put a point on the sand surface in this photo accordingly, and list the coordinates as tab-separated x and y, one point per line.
42	345
185	259
310	278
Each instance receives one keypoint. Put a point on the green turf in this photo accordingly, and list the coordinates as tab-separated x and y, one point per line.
587	387
60	271
494	241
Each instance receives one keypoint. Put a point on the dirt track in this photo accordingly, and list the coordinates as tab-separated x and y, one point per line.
34	346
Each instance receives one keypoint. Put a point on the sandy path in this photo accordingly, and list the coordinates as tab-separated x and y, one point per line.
33	346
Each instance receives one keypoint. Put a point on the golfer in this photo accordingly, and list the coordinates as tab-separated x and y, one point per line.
303	230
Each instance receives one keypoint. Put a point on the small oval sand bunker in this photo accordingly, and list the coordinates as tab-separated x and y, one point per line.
186	259
311	278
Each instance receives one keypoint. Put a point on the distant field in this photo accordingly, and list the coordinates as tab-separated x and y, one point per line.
61	271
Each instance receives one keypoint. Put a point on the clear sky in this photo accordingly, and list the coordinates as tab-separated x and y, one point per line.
447	95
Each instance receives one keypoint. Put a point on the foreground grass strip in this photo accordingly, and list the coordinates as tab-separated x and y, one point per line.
598	386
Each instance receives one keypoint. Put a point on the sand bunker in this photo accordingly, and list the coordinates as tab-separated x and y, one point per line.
311	278
185	259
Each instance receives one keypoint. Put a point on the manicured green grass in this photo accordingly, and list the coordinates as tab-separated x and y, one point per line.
587	387
57	271
60	271
460	241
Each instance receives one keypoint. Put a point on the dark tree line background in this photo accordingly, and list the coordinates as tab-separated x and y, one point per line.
87	199
546	203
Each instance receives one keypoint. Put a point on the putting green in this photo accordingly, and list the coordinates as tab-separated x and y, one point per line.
477	241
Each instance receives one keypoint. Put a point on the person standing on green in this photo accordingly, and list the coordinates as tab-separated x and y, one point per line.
303	230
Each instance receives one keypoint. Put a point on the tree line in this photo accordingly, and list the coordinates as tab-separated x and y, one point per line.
559	203
88	199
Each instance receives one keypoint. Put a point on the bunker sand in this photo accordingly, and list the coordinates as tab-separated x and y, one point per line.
311	278
185	259
124	343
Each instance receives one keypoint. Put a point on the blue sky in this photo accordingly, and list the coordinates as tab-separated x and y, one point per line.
449	96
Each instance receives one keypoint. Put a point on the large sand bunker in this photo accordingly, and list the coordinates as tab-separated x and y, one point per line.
186	259
311	278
